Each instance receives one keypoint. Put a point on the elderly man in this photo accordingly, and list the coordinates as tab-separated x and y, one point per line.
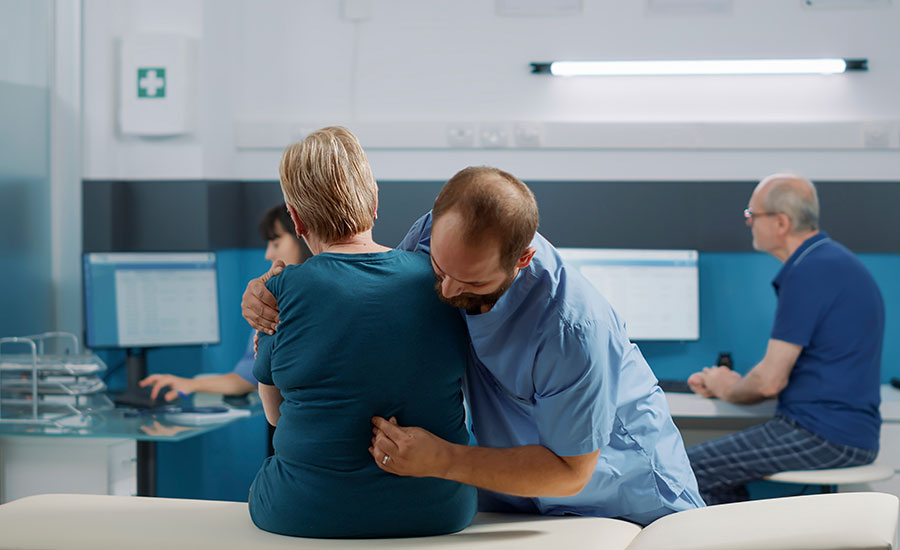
567	414
823	360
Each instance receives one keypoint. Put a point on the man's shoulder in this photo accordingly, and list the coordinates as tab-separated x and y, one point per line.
572	301
828	263
419	236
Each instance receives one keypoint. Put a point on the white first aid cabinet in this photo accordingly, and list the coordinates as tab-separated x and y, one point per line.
157	84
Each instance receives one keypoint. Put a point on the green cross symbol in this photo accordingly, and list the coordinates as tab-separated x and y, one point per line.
151	82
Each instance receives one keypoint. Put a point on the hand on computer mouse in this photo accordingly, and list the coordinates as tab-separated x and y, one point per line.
177	386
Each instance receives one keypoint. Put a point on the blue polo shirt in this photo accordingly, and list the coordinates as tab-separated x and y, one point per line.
829	303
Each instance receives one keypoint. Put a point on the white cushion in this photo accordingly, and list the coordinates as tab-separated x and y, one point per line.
845	521
835	476
74	522
823	522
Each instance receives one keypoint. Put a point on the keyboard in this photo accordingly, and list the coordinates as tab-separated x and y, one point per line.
675	386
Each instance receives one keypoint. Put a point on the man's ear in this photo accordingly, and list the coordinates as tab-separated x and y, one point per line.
784	224
525	258
298	225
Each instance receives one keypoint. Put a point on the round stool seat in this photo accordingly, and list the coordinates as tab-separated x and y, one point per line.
835	476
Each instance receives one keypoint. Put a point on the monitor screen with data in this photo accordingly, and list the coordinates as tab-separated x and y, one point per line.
149	299
656	292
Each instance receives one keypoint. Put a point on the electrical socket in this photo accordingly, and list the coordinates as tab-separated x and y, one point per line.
529	135
494	135
876	136
461	135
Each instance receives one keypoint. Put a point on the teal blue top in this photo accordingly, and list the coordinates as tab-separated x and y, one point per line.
360	335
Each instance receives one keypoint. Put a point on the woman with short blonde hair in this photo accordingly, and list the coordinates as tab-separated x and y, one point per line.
361	334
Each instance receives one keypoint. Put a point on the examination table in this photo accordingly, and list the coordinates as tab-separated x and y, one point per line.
822	522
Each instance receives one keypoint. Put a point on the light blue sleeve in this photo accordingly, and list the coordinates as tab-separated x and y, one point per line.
419	237
575	378
244	367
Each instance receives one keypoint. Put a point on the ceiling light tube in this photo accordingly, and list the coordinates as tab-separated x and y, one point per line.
700	67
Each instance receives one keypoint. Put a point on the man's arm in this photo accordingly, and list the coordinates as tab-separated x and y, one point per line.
764	381
258	305
271	399
528	471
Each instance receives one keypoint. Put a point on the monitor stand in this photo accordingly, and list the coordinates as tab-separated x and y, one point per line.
136	369
136	396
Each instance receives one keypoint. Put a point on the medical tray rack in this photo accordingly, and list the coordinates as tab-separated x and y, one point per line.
32	384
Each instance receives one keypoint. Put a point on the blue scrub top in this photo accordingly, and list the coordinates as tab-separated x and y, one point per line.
829	303
551	365
244	367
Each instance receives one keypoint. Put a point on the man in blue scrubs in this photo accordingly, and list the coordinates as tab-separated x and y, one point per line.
823	361
566	412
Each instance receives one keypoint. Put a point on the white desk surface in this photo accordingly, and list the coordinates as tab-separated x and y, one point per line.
690	405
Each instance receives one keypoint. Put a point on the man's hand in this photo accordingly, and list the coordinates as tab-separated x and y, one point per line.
697	384
258	306
409	451
176	385
719	380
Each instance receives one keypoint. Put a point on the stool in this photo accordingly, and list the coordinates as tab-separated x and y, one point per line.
831	478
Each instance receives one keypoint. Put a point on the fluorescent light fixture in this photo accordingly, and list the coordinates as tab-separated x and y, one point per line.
700	67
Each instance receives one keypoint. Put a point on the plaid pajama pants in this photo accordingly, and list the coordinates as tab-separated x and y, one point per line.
723	466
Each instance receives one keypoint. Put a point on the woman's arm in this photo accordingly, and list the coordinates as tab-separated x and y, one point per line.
271	400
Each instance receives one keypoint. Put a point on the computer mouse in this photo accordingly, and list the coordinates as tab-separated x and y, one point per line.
140	398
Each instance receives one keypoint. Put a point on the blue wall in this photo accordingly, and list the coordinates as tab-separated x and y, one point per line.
736	309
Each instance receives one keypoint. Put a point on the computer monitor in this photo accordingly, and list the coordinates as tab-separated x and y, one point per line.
141	300
656	292
150	299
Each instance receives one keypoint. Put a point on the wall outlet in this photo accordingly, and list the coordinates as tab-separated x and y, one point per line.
529	135
876	136
461	135
494	136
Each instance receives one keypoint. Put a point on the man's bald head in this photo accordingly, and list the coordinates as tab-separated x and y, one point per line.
795	197
494	205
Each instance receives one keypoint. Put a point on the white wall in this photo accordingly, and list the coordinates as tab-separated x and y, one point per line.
413	69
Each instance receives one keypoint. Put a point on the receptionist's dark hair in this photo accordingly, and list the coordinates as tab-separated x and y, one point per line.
279	214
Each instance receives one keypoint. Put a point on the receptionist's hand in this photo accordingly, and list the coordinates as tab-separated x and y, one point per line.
411	452
697	384
176	385
258	306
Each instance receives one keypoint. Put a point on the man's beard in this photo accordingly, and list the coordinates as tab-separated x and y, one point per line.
473	303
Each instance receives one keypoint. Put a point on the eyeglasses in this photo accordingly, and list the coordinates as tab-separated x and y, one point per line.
749	214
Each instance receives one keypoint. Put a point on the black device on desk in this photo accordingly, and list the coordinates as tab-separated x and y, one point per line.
141	399
681	386
895	382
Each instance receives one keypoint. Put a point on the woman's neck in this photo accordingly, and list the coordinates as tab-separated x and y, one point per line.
361	243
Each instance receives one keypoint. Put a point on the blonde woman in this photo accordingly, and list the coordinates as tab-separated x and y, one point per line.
361	334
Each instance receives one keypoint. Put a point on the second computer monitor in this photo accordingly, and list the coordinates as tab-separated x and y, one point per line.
656	292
